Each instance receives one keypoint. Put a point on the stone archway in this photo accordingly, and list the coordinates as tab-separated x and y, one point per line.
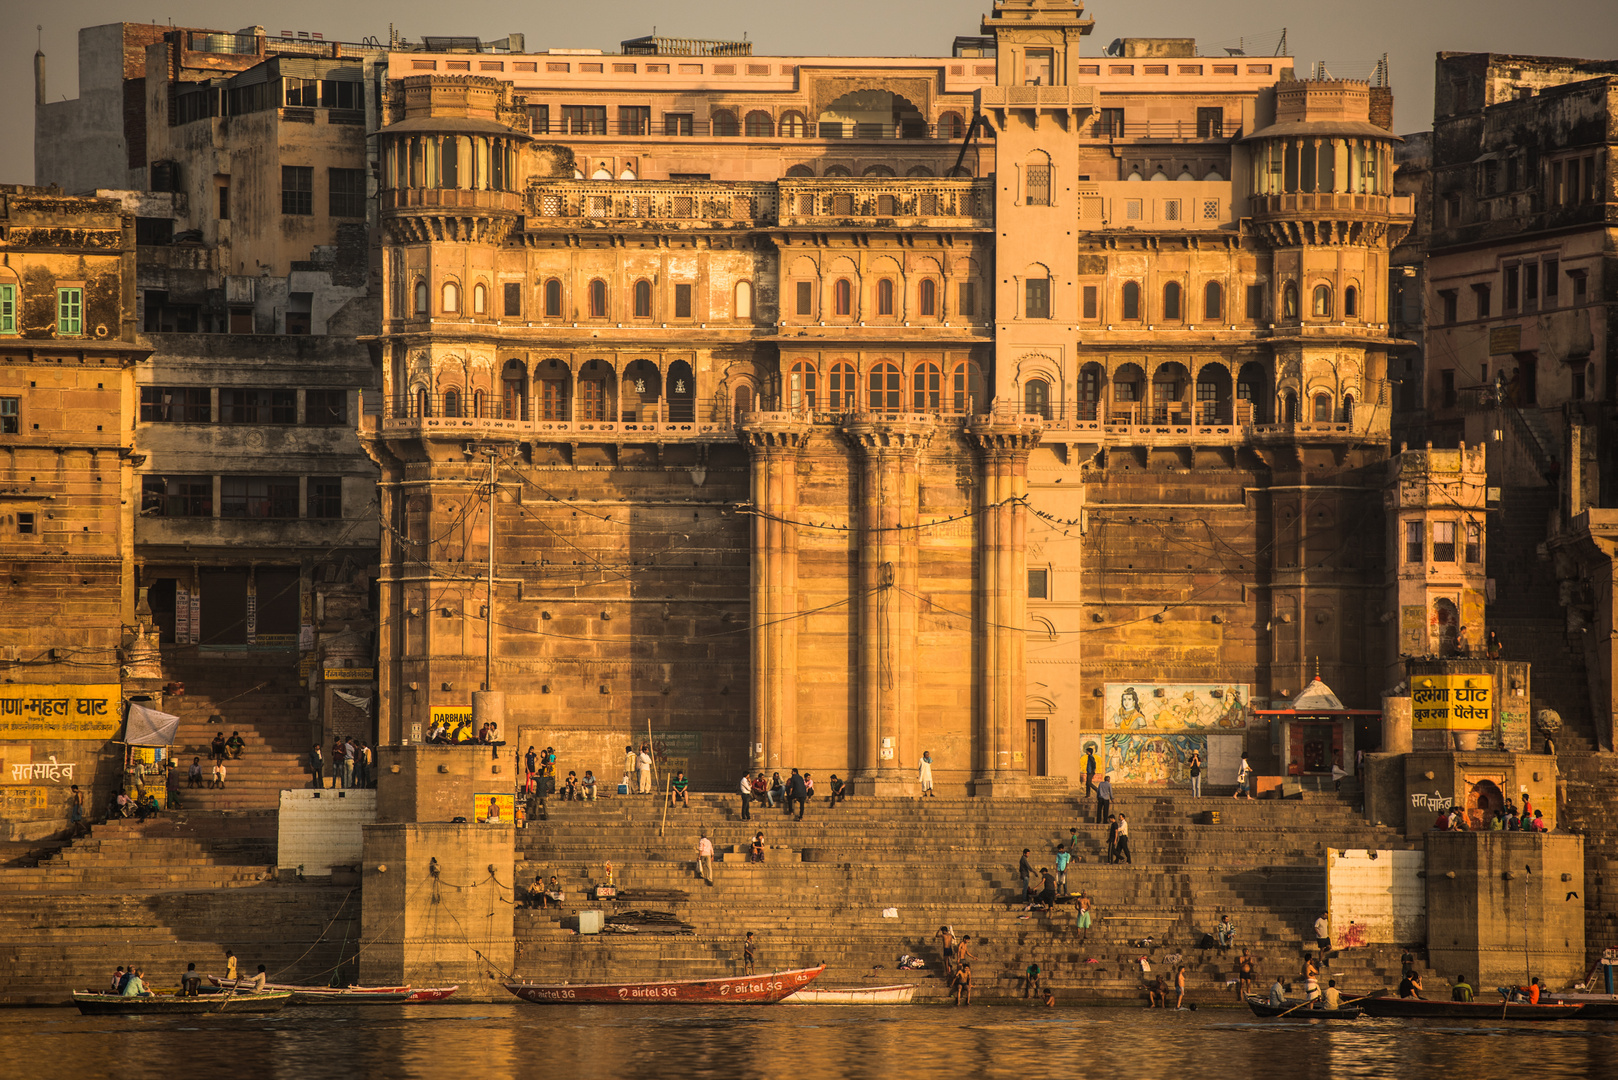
1482	801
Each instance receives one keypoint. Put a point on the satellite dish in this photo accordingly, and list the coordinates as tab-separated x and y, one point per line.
1235	52
1116	48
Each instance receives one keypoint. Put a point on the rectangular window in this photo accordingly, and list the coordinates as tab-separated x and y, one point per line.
539	119
326	407
967	293
341	94
10	416
1449	299
1415	548
70	312
1090	294
258	497
513	299
1111	123
8	309
1552	283
1036	67
301	93
682	301
25	523
258	406
1512	282
634	119
1480	295
1446	387
154	232
1255	301
326	497
176	405
298	189
584	119
1039	185
1171	209
176	496
1579	285
1037	298
1530	286
1038	585
224	202
1132	209
1474	542
676	123
1211	123
1443	541
346	192
806	298
1578	383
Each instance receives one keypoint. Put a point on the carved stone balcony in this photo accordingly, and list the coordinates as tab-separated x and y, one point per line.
910	203
574	205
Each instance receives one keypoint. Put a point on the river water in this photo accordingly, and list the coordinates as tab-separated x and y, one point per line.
916	1042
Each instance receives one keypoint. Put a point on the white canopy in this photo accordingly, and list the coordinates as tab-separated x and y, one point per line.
148	727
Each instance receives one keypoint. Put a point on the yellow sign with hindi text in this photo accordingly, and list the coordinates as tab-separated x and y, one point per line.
1452	703
60	711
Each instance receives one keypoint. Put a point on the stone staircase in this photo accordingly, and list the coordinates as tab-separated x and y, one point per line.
1588	807
267	704
820	896
178	851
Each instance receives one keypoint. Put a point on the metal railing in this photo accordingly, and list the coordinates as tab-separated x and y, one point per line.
683	125
1188	130
555	202
804	200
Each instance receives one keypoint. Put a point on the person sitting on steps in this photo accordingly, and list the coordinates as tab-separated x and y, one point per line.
235	744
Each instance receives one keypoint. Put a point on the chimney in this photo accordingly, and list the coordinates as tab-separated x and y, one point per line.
39	76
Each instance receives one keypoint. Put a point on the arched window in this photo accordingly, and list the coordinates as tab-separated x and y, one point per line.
1348	409
643	299
842	388
1351	303
424	402
452	298
598	299
884	296
887	393
760	124
553	391
800	171
1322	408
877	170
1037	180
1213	302
919	170
1289	407
794	126
842	297
1322	302
421	298
744	300
1171	301
452	403
837	171
927	297
801	386
449	171
1131	299
1289	300
1036	394
480	299
553	299
724	123
477	403
744	401
951	126
967	393
926	388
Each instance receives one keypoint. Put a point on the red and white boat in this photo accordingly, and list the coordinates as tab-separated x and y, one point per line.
325	995
428	994
740	990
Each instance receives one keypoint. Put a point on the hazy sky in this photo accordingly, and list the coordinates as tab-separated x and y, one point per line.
1348	36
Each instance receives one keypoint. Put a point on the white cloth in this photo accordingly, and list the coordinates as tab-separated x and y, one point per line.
926	775
1322	928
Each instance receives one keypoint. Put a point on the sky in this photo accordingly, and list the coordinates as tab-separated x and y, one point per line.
1350	36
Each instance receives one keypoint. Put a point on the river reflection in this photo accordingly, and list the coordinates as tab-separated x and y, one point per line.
495	1042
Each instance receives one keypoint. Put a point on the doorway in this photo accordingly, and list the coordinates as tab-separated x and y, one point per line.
1036	747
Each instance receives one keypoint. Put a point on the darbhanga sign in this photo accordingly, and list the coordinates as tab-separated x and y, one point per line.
451	714
1452	703
60	711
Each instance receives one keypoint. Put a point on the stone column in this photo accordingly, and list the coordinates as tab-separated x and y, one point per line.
774	443
1001	735
886	741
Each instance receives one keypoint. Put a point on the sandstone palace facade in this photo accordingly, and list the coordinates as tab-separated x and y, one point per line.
821	412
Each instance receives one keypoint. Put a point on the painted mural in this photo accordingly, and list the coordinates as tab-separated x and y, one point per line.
1152	729
1176	706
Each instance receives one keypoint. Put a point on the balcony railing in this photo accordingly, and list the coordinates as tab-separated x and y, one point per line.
1296	202
684	126
811	202
568	203
1179	130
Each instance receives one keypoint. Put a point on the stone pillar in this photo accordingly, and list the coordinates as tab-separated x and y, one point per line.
774	442
886	741
1000	741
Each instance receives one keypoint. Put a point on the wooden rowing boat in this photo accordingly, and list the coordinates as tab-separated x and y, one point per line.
1419	1009
1301	1011
899	994
323	995
101	1003
739	990
428	994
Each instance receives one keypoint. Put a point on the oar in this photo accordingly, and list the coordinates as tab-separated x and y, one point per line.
1301	1004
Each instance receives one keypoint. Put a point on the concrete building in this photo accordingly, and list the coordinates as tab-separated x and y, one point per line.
71	642
996	444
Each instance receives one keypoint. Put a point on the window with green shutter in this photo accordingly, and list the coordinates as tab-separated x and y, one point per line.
8	309
70	312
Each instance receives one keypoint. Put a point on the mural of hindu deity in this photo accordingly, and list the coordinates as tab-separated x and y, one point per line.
1176	706
1153	759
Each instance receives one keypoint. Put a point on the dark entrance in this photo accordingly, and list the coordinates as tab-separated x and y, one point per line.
1036	747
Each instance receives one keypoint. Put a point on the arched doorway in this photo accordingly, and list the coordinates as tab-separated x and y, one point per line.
1091	379
1213	395
514	379
871	114
682	394
639	393
1482	802
1254	394
1128	388
1168	394
1447	623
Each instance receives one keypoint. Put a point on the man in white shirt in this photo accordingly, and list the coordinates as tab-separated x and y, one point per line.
1323	939
705	857
644	764
1124	854
747	797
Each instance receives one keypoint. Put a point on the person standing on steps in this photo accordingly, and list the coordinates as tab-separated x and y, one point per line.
1082	924
1103	798
629	769
1025	874
946	949
926	773
963	971
1179	988
797	792
1124	854
1112	838
643	764
1062	859
1196	774
705	857
748	955
1244	976
1244	780
194	777
1089	768
1323	939
317	766
747	797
